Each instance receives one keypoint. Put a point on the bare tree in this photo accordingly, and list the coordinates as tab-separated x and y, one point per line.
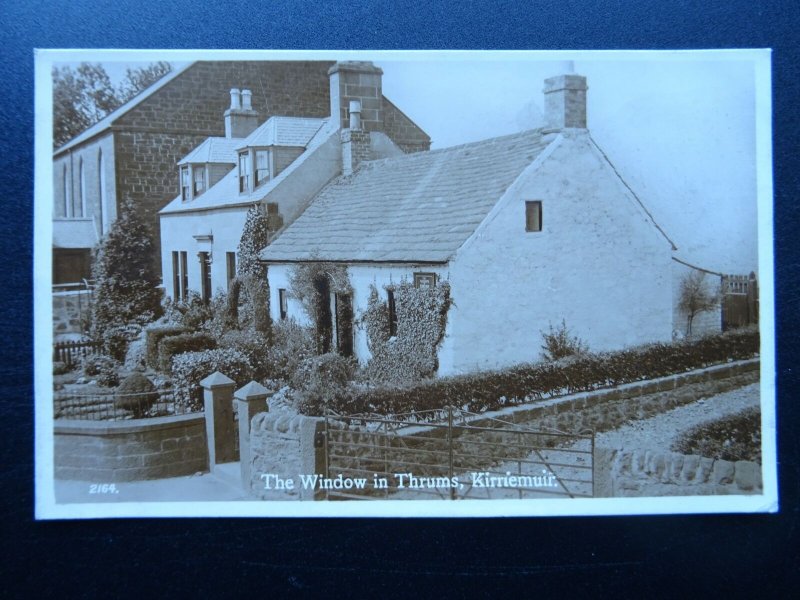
696	296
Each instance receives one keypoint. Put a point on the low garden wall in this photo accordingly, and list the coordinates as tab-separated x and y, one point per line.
650	473
117	451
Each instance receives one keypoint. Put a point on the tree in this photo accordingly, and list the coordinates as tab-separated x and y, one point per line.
126	289
696	295
251	273
84	95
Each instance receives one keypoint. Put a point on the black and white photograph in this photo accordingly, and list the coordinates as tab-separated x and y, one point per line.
395	283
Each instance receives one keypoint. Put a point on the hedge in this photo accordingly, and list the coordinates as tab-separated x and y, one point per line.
178	344
153	336
491	390
190	368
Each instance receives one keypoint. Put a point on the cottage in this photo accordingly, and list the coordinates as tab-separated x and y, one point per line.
528	230
278	165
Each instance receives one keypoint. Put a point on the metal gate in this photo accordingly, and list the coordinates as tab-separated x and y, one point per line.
451	454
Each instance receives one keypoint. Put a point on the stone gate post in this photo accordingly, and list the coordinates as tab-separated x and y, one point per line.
251	400
218	404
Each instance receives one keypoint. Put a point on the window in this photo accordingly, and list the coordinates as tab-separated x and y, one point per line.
199	179
392	314
185	189
244	172
180	277
230	265
101	182
424	280
533	215
205	276
283	300
82	178
262	166
67	194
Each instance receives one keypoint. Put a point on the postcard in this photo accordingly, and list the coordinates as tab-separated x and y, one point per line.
394	283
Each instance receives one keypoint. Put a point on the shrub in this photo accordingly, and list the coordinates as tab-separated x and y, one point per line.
255	346
137	394
322	381
735	437
59	368
117	338
127	285
190	368
178	344
153	336
103	369
558	343
291	345
491	390
194	312
136	354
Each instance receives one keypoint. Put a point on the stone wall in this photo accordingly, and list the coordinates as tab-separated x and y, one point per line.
403	131
69	311
650	473
117	451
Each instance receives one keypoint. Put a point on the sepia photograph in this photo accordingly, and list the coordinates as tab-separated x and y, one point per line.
395	283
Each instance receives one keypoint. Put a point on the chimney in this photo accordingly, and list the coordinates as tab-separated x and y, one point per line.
240	119
565	100
357	80
355	141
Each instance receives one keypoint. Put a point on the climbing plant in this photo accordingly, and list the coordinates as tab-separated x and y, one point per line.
311	284
252	288
411	354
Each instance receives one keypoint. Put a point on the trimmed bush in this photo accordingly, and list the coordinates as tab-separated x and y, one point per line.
190	368
255	346
103	369
117	338
491	390
178	344
323	380
137	394
291	345
154	335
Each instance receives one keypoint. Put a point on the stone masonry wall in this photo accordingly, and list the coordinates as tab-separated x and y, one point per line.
649	473
117	451
69	311
402	130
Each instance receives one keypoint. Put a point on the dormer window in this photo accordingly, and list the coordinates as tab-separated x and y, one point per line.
185	185
262	166
199	178
244	172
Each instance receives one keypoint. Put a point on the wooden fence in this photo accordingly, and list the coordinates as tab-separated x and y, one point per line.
70	353
739	301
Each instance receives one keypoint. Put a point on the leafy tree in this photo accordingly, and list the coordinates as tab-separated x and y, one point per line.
696	295
84	95
126	289
251	273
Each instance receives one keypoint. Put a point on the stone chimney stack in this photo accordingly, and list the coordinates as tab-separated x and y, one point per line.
565	100
357	80
355	141
240	119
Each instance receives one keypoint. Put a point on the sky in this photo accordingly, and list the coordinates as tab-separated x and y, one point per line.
679	127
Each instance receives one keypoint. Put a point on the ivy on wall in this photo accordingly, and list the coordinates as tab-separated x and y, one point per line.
421	314
312	284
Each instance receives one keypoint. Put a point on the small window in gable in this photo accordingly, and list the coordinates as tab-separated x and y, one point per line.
244	172
262	166
199	180
533	215
185	186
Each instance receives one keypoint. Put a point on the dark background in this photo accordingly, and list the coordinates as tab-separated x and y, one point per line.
599	556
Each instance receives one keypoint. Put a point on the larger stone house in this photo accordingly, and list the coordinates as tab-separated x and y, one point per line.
128	157
528	229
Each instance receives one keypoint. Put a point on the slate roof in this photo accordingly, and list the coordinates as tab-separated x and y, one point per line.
282	131
213	150
418	207
225	193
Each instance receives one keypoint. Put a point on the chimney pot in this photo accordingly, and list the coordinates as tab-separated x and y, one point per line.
355	115
247	96
236	99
